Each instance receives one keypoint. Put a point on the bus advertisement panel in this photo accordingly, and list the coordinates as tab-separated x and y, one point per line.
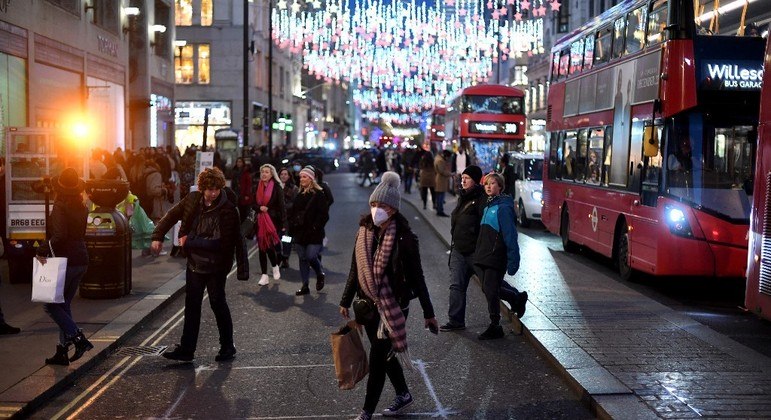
652	124
490	118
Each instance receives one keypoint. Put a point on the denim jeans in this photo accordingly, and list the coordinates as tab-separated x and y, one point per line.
440	202
309	258
213	283
461	270
408	177
61	313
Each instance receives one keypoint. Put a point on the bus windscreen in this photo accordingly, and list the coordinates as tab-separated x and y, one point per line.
483	104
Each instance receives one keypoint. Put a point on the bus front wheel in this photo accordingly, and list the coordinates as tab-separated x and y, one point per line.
567	244
622	255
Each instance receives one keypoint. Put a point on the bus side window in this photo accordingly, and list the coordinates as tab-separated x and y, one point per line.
576	56
594	162
555	66
635	30
581	154
588	52
554	162
564	63
602	45
618	37
569	158
657	21
607	155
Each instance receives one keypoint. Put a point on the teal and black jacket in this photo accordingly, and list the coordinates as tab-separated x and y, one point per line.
497	245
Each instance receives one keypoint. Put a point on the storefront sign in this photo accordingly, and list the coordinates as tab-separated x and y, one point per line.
107	46
203	160
732	75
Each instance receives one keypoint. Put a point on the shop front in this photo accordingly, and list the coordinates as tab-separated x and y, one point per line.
195	117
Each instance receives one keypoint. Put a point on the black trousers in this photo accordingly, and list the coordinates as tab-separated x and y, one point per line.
380	365
213	283
495	289
270	253
424	195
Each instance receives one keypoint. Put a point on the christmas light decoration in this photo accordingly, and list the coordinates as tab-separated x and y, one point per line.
404	57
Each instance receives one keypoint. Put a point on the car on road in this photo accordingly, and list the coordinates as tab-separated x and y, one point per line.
326	163
528	191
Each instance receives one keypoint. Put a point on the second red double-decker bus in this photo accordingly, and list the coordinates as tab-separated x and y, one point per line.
491	118
435	129
652	114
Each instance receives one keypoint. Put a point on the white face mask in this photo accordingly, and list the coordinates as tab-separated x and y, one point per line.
379	216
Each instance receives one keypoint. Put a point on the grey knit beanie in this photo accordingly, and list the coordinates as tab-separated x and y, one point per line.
387	191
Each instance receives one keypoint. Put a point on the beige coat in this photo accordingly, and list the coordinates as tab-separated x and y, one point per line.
427	174
443	174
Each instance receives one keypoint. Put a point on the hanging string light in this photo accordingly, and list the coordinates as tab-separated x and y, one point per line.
403	57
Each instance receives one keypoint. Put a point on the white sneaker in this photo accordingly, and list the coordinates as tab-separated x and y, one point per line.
276	272
264	280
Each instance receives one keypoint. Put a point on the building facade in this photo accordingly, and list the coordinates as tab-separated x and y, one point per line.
209	65
62	61
104	63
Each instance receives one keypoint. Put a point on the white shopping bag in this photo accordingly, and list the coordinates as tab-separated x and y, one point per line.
48	279
175	234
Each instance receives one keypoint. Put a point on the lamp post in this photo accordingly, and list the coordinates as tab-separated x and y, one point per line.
247	50
269	118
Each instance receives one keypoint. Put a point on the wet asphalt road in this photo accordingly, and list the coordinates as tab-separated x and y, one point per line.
284	369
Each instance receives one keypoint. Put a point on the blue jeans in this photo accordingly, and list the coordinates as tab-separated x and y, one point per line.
61	313
439	202
461	270
309	258
195	284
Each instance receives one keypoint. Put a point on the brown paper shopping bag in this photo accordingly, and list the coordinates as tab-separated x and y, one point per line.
349	355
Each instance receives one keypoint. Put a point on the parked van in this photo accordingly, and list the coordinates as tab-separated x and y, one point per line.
528	168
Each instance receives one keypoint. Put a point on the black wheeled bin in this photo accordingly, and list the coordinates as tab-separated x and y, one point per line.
108	240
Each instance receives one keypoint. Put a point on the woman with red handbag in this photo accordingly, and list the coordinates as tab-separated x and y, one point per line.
271	219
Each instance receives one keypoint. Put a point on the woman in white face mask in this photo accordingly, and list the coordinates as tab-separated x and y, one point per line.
385	275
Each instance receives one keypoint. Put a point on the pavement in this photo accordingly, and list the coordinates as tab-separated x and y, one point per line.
626	355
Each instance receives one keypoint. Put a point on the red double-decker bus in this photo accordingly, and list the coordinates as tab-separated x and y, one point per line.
491	118
435	130
757	295
652	118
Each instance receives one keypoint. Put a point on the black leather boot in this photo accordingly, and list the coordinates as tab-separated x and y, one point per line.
82	345
60	358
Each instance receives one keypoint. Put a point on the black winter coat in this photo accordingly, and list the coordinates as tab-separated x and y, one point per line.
229	224
404	269
465	219
308	217
68	231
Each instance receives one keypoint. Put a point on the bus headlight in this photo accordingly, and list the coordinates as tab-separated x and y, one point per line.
351	159
537	195
675	219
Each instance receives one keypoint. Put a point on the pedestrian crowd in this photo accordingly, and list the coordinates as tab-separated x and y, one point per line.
284	209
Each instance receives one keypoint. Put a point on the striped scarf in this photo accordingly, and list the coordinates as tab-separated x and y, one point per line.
374	283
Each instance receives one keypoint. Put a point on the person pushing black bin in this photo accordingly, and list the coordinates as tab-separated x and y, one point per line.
108	240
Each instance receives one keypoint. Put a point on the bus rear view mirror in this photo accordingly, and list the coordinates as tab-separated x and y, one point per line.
651	141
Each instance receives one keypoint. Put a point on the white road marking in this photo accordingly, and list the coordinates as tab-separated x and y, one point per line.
441	411
209	367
